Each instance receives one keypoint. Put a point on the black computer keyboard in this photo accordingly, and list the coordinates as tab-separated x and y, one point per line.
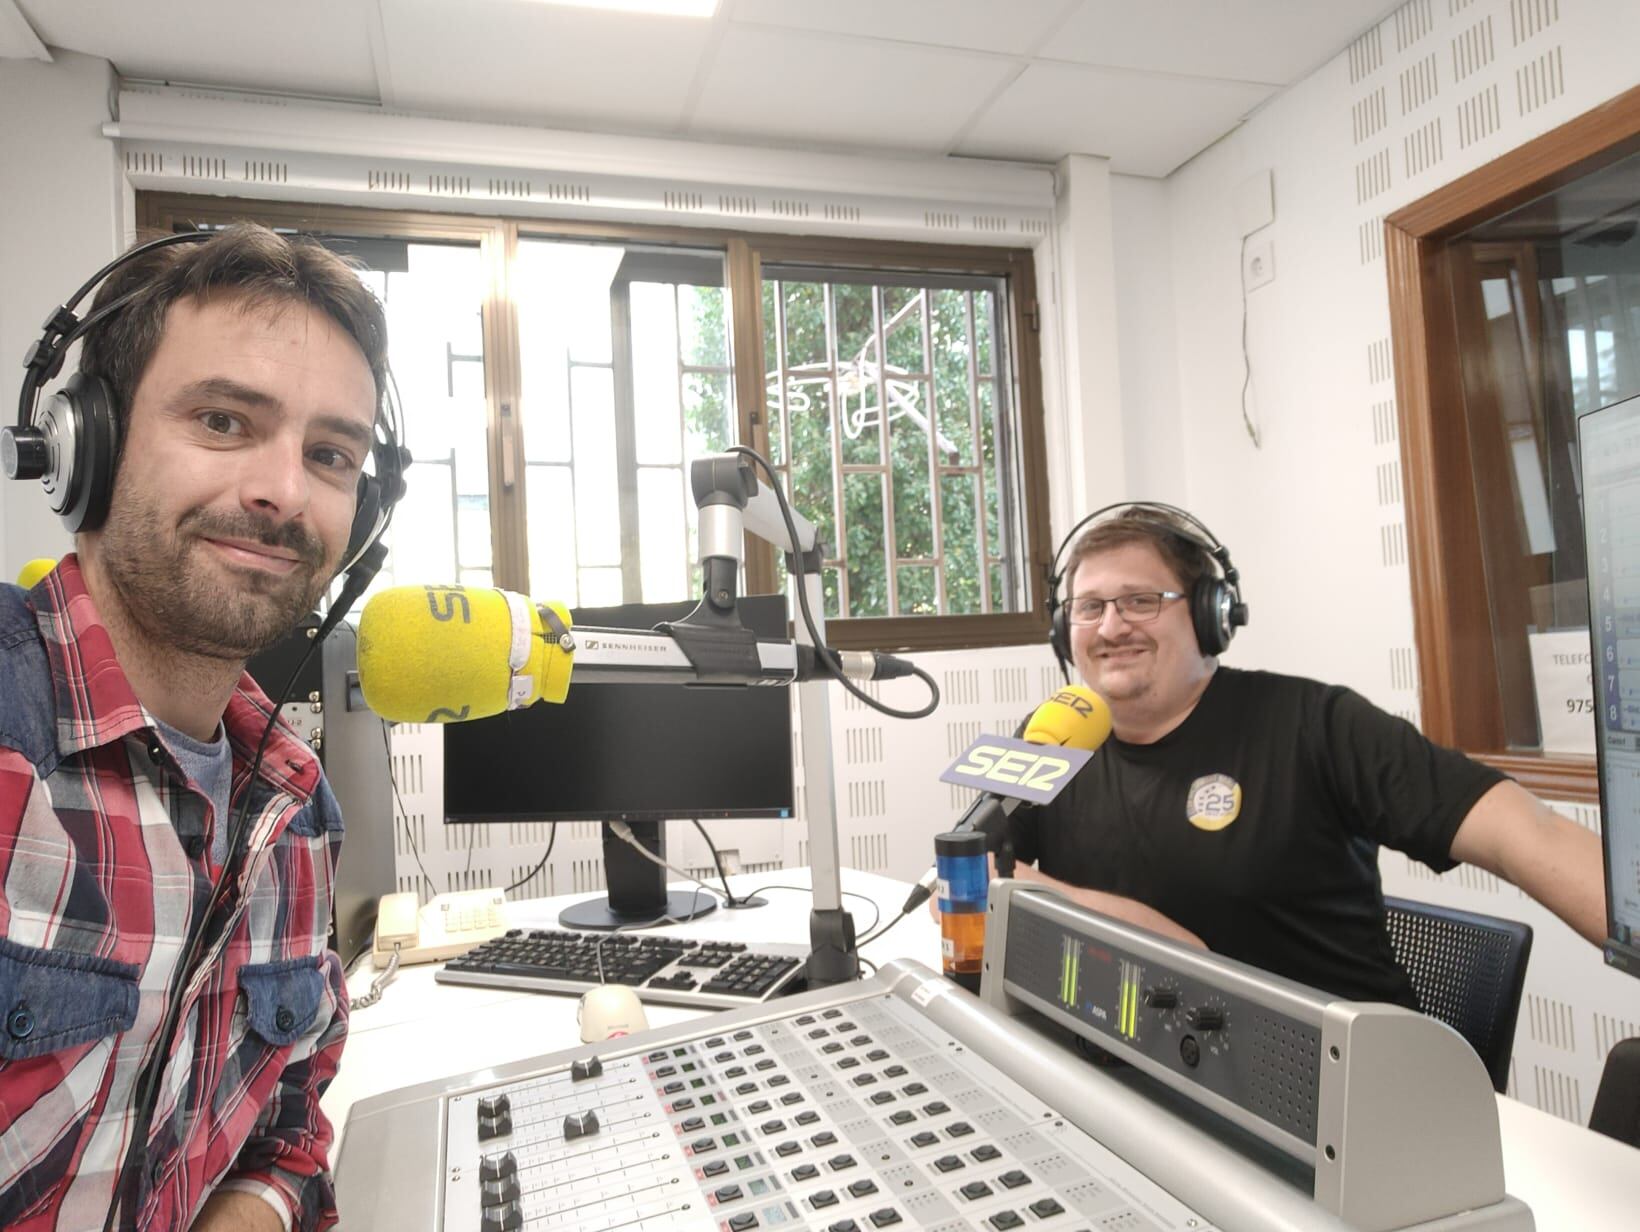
683	971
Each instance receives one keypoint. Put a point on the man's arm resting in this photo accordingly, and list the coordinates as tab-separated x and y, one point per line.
233	1211
1128	910
1511	833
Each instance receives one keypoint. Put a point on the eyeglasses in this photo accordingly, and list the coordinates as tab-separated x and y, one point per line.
1135	609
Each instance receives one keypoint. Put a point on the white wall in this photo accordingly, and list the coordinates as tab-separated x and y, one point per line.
1315	517
65	212
1147	345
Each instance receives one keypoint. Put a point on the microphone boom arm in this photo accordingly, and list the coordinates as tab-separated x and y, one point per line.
732	503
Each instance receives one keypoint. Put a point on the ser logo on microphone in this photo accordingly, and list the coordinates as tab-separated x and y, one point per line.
1022	769
442	602
1077	700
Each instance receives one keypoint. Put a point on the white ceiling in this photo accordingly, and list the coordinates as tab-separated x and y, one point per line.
1146	83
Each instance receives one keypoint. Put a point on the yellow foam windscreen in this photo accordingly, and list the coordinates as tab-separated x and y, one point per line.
1075	717
440	654
34	571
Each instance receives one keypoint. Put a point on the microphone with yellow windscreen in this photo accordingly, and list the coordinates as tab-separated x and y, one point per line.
440	654
34	571
1075	718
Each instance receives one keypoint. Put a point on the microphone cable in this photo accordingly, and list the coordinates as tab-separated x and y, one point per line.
824	653
872	936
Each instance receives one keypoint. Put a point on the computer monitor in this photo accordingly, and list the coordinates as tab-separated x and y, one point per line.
1609	462
639	753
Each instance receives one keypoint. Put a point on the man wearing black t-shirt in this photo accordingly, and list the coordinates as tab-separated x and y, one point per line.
1243	811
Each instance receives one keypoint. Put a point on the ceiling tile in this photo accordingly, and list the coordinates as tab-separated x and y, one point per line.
1012	28
545	64
1145	123
1278	41
209	42
823	90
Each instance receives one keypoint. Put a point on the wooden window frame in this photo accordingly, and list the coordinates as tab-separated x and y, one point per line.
744	256
1457	662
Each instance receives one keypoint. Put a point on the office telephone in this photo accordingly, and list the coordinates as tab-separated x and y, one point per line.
449	925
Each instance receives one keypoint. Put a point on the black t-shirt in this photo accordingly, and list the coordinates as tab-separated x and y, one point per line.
1256	825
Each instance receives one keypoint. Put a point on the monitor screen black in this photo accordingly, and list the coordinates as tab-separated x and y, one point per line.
630	752
1609	456
639	753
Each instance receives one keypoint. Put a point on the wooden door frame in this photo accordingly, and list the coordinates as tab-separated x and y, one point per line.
1457	665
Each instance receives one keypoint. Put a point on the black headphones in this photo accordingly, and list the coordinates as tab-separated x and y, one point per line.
1216	607
72	443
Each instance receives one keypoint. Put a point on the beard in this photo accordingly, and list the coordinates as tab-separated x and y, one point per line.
194	605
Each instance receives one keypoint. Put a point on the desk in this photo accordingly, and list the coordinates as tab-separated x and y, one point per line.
1573	1180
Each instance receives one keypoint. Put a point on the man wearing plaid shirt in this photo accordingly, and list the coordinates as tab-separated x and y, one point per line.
246	374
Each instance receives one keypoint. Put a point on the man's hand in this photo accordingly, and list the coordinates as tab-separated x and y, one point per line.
1511	833
229	1210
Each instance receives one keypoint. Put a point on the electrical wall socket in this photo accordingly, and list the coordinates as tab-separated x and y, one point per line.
1260	267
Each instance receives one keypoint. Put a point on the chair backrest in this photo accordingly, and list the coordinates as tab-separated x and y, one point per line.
1617	1102
1468	971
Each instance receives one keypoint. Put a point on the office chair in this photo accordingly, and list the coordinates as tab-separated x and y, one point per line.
1468	971
1617	1103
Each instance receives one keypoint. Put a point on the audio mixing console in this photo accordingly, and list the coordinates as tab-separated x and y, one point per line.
903	1102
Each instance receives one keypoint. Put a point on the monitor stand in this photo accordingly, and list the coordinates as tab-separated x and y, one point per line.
637	887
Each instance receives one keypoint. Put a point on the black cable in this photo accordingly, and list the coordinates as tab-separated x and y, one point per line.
728	894
808	615
409	834
870	937
877	911
527	877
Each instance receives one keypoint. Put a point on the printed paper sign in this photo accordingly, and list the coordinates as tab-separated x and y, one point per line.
1565	690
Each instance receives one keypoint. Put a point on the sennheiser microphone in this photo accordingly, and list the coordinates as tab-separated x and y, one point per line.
1074	718
441	654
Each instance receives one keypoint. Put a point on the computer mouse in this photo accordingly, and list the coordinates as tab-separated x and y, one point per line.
608	1011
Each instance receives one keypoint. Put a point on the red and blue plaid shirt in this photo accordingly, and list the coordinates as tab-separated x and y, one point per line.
104	864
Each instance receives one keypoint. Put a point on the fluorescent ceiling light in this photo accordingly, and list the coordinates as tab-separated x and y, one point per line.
664	8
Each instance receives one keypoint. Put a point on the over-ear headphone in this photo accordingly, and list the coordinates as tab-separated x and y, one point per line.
1216	607
72	443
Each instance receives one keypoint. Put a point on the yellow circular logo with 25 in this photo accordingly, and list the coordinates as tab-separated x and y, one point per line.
1214	802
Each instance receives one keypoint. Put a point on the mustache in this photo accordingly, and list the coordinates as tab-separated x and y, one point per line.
290	536
1127	643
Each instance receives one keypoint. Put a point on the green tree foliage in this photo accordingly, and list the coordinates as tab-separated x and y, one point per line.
920	353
